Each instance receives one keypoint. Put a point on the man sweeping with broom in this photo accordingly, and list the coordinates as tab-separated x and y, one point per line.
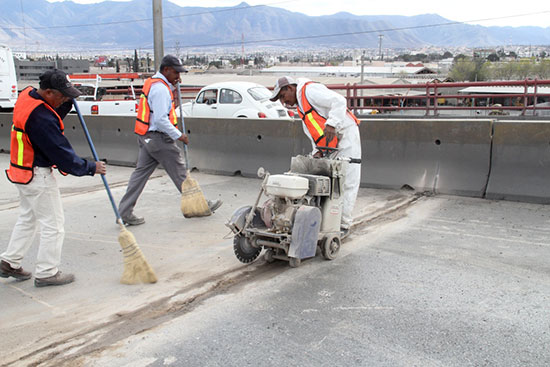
38	145
156	126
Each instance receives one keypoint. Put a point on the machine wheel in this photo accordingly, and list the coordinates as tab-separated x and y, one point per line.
245	252
330	247
294	262
268	256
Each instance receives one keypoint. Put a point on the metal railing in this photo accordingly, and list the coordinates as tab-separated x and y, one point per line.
436	98
432	98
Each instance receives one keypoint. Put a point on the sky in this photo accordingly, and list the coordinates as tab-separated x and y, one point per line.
482	12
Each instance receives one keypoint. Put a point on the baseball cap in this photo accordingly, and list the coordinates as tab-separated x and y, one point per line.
58	80
173	61
281	82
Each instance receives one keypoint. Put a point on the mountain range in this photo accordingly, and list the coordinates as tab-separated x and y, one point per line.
38	25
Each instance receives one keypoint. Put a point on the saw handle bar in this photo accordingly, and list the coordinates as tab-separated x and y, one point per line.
325	151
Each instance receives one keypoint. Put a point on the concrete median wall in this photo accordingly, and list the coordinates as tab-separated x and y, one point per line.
113	138
5	129
520	167
230	146
447	156
442	156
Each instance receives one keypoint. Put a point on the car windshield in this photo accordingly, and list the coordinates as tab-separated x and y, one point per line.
259	93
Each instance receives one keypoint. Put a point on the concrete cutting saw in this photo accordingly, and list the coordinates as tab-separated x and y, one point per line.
302	212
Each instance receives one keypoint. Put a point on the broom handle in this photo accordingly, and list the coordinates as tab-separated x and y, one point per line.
94	153
182	125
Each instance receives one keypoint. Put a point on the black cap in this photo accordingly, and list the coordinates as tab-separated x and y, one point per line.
173	61
58	80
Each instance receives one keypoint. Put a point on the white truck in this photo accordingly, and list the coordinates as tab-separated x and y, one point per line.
8	79
93	101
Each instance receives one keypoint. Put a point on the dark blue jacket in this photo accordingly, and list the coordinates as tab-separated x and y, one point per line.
50	146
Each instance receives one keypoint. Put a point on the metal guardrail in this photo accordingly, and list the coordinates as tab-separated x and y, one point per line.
431	98
434	98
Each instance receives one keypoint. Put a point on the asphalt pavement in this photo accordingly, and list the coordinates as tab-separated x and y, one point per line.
446	282
191	257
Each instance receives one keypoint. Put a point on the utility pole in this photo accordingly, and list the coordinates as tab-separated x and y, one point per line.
157	32
178	49
380	36
242	50
362	77
362	68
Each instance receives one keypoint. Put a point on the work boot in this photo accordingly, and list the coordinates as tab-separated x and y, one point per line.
133	220
7	271
57	279
214	204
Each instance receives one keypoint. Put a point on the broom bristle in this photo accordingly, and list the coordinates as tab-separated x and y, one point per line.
193	203
136	268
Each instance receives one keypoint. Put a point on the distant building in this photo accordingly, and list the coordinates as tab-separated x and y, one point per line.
101	61
31	70
483	53
353	71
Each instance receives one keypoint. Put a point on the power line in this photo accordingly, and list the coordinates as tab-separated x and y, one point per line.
234	43
150	19
365	32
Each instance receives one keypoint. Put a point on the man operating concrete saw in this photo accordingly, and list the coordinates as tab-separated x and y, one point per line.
327	122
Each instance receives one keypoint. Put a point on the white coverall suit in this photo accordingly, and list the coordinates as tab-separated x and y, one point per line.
333	107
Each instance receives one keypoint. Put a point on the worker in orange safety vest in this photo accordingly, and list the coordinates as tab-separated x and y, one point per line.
156	127
327	122
38	145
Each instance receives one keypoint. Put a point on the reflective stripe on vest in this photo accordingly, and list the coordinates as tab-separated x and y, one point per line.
315	123
21	151
144	111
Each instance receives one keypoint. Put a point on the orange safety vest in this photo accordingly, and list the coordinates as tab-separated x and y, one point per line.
144	111
315	123
21	151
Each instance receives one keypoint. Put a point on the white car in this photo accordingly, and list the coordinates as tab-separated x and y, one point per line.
234	100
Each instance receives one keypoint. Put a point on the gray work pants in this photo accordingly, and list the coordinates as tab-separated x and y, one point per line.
154	148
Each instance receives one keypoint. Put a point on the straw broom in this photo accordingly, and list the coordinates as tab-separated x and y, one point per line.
136	268
193	202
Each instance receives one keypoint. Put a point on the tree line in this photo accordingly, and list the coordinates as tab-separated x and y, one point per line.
478	69
495	66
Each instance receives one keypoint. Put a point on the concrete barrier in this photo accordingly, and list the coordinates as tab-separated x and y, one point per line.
520	168
113	138
448	156
231	146
5	129
444	156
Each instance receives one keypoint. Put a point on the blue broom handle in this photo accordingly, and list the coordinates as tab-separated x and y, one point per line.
182	125
94	153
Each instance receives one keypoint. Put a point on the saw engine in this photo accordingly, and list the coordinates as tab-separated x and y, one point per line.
302	213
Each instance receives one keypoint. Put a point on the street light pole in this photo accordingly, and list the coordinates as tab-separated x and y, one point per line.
157	32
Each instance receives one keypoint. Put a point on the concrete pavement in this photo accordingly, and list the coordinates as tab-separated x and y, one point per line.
191	257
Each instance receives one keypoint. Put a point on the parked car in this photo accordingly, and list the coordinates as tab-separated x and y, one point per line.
235	99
